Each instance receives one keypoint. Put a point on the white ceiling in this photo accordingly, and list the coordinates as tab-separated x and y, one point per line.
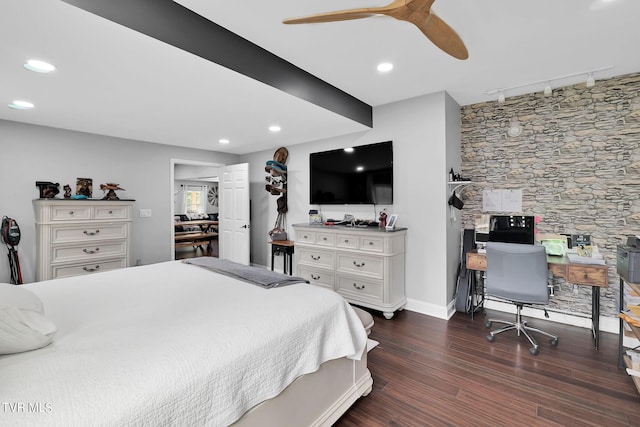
114	81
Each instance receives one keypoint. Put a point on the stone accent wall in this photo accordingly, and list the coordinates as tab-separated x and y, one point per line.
577	162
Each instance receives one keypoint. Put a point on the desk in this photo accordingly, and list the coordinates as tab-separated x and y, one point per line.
284	247
594	275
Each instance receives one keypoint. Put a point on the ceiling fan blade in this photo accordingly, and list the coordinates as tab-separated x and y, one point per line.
342	15
442	35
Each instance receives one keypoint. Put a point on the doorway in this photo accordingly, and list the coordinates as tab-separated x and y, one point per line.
194	196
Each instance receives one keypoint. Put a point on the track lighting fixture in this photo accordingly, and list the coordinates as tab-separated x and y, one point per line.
547	88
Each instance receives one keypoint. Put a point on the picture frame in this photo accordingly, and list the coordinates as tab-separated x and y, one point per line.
391	222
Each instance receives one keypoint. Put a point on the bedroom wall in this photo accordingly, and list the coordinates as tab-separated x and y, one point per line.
37	153
577	162
420	132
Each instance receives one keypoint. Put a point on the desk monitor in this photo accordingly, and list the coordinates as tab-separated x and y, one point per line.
512	229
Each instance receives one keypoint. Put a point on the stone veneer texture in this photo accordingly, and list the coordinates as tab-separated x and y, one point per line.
577	162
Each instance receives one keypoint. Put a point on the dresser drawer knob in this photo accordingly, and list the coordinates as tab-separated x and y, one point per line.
315	257
110	212
346	240
89	251
70	212
91	233
355	285
90	270
358	265
370	243
314	277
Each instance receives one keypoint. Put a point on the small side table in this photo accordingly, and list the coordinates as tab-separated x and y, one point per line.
284	247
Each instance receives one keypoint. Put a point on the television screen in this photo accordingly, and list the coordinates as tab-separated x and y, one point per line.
353	175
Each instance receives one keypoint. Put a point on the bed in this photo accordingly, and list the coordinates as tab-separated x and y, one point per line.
178	344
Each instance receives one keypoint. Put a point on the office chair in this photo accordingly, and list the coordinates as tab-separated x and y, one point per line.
518	273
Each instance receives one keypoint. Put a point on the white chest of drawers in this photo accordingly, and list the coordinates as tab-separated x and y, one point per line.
75	237
366	266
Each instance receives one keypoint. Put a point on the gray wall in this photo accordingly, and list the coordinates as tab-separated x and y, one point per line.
577	162
36	153
420	129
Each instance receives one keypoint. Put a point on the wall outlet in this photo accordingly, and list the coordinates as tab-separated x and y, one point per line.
145	213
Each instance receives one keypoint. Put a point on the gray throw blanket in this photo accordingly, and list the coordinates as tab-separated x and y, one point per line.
266	279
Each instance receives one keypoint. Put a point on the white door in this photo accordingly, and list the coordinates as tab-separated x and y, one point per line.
234	224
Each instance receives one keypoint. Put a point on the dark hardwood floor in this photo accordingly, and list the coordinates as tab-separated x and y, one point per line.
191	252
433	372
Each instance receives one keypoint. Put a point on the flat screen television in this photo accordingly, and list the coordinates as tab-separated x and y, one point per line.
353	175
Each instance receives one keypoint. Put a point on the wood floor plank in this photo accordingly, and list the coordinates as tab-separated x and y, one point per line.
434	372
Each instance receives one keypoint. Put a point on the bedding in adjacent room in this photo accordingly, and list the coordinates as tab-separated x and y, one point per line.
172	344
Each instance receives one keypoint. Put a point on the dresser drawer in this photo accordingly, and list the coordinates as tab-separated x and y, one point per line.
325	239
372	244
318	277
305	236
110	212
87	268
316	258
87	252
359	288
70	213
373	267
347	241
88	232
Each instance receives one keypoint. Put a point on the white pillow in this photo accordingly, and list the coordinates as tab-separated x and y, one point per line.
23	326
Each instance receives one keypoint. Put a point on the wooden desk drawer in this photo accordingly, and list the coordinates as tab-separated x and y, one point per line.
588	275
476	261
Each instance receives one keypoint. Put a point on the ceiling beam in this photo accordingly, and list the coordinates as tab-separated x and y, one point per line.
172	23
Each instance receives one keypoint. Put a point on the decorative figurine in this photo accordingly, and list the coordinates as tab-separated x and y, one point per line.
48	190
67	191
383	218
110	187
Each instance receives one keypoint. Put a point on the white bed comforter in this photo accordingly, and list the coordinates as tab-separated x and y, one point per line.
170	344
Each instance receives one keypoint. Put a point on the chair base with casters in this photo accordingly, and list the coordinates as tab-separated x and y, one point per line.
520	325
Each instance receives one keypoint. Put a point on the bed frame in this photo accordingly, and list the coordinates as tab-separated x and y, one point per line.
317	399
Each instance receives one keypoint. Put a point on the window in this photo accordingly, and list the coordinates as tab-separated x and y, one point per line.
195	197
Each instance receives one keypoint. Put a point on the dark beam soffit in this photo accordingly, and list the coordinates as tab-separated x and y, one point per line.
172	23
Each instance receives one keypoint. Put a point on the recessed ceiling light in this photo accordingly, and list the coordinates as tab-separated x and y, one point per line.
348	150
274	128
360	168
39	66
20	105
224	141
385	67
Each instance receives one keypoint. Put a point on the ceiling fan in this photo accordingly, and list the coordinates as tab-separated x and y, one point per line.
418	12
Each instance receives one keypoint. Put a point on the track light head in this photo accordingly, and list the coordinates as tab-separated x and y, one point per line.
591	82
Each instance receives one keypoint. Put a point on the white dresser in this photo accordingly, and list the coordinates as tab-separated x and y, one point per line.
364	265
75	237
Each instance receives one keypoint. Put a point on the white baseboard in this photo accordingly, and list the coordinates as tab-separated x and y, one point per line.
607	324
